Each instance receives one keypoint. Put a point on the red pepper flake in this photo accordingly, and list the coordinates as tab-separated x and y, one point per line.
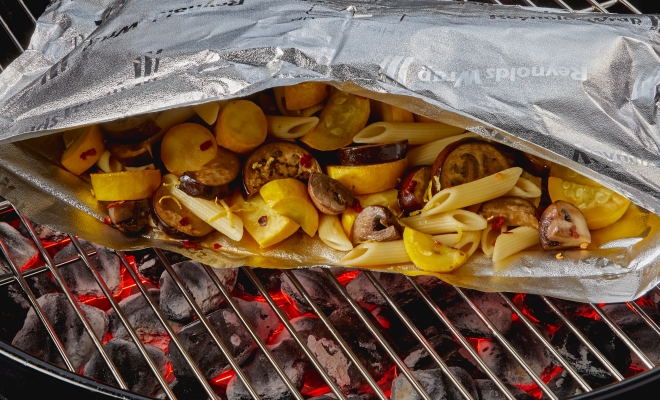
189	245
206	145
574	232
438	242
263	220
89	153
107	221
498	222
357	206
306	161
185	221
217	246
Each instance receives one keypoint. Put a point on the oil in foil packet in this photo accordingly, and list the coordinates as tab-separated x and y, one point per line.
577	89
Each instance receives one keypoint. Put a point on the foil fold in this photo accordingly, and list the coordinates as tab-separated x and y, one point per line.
577	89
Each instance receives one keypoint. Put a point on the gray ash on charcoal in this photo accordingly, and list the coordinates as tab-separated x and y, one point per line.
205	352
80	279
202	287
330	396
264	378
468	322
435	383
638	331
44	232
318	286
262	318
269	278
143	319
452	353
488	391
130	364
33	338
21	249
14	303
579	357
148	266
396	286
400	336
185	388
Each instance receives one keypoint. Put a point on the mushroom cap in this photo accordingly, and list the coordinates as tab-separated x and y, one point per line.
516	211
375	224
563	227
328	195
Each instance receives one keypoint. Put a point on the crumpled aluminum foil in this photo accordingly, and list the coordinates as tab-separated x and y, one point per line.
578	89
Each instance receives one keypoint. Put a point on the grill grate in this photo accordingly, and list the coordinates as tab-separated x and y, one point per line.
13	14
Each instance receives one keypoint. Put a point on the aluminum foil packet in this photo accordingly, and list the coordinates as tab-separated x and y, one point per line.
577	89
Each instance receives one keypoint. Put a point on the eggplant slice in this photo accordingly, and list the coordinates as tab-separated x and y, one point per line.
214	179
175	219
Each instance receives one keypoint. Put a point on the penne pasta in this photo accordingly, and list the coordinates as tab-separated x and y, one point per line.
535	180
426	154
524	188
332	233
309	111
449	221
467	242
290	127
390	132
281	103
470	193
376	253
488	240
213	214
515	240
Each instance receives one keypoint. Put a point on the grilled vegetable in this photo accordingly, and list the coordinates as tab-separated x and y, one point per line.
130	217
414	187
328	195
373	154
187	147
174	218
461	163
84	151
134	129
213	179
126	185
241	126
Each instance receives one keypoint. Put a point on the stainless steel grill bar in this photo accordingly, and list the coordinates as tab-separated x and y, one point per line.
165	323
418	335
36	307
622	336
639	311
72	300
563	4
120	313
401	366
232	304
505	343
27	11
294	334
9	278
597	6
568	367
11	34
630	6
583	338
337	336
600	7
186	293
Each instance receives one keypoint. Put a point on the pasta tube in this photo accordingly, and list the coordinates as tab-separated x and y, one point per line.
426	154
515	240
332	233
390	132
290	127
213	214
488	240
524	188
376	253
449	221
467	242
470	193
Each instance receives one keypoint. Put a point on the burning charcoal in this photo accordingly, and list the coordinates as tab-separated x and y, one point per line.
449	351
535	308
396	285
261	316
33	337
143	319
330	396
80	279
466	320
186	388
435	383
562	383
148	266
205	352
578	356
268	277
638	331
396	330
21	249
265	380
318	286
505	366
199	283
131	365
14	303
44	232
488	391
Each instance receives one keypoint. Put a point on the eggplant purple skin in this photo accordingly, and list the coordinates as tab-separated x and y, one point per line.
412	199
138	216
373	154
131	154
136	132
194	188
168	230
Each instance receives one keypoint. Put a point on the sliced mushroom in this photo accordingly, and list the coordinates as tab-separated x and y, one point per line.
329	195
516	211
130	217
214	179
563	227
375	224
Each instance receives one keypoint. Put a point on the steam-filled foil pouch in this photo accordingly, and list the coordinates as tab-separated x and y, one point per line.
576	90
